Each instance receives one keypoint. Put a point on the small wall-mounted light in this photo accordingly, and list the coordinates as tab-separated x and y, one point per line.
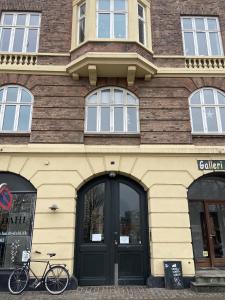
112	174
54	207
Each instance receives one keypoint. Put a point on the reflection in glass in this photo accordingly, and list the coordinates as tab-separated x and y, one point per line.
12	93
189	43
18	40
24	118
118	119
92	119
132	119
94	213
208	96
211	119
215	44
197	122
9	117
32	40
130	214
120	26
105	119
5	39
103	25
202	44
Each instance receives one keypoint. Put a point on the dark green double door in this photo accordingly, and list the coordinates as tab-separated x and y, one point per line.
112	233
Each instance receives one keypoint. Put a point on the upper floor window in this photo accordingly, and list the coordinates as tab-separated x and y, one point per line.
207	109
201	36
15	109
81	22
112	110
141	23
112	19
19	32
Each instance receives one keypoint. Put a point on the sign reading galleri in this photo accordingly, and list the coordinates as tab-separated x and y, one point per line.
215	165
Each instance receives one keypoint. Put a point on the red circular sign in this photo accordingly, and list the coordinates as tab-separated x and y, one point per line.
5	197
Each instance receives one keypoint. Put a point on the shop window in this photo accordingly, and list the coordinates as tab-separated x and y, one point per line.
17	207
141	24
19	32
207	109
112	19
81	22
15	109
112	110
201	36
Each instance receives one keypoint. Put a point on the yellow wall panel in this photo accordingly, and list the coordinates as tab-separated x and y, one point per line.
157	267
168	205
171	235
172	250
51	236
54	220
169	220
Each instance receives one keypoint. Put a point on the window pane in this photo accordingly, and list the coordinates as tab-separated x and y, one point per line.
25	96
9	117
130	219
18	40
105	96
195	99
221	98
118	96
92	119
93	223
211	119
132	119
104	4
187	23
140	11
21	20
5	39
202	44
131	100
189	43
32	40
103	25
24	118
119	4
8	20
81	30
222	116
12	93
92	99
1	95
119	26
208	96
215	44
34	20
118	119
82	10
105	119
197	123
212	24
141	31
200	25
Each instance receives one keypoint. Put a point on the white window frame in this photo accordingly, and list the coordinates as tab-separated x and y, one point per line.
206	31
98	105
203	106
112	13
18	104
143	19
26	28
79	19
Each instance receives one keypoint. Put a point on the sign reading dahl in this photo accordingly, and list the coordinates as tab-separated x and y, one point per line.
217	165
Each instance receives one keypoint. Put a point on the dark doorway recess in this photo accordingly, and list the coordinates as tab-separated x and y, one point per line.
207	216
112	232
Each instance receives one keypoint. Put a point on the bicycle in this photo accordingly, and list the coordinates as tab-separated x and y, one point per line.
55	277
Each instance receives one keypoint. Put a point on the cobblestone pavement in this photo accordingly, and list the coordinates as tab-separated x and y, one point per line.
116	293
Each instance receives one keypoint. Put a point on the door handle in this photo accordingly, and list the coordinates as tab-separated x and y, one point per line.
115	242
212	235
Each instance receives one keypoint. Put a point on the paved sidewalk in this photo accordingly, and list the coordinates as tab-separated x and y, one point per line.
116	293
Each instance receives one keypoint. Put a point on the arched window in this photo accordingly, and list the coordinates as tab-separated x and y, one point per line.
112	110
15	109
207	110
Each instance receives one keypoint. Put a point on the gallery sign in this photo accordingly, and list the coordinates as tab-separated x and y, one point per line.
215	165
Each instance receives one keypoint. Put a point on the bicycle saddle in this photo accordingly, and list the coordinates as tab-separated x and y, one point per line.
51	254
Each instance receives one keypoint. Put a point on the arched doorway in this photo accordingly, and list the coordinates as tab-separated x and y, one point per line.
17	207
207	216
112	232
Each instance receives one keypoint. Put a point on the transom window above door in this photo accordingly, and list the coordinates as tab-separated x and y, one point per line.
112	110
207	109
15	109
19	32
112	19
201	36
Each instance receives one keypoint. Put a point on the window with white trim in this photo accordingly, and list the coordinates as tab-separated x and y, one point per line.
207	110
19	32
81	22
141	24
112	19
16	105
201	36
112	110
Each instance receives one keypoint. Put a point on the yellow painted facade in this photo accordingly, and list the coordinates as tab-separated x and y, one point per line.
58	171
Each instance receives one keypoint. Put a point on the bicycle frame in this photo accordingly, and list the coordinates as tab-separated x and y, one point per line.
28	267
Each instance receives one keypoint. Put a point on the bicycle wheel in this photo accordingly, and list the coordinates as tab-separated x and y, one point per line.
18	281
56	280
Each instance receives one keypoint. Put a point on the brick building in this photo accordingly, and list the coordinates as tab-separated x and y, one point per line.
113	112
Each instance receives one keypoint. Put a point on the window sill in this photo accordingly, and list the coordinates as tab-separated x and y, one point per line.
16	134
108	135
208	134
